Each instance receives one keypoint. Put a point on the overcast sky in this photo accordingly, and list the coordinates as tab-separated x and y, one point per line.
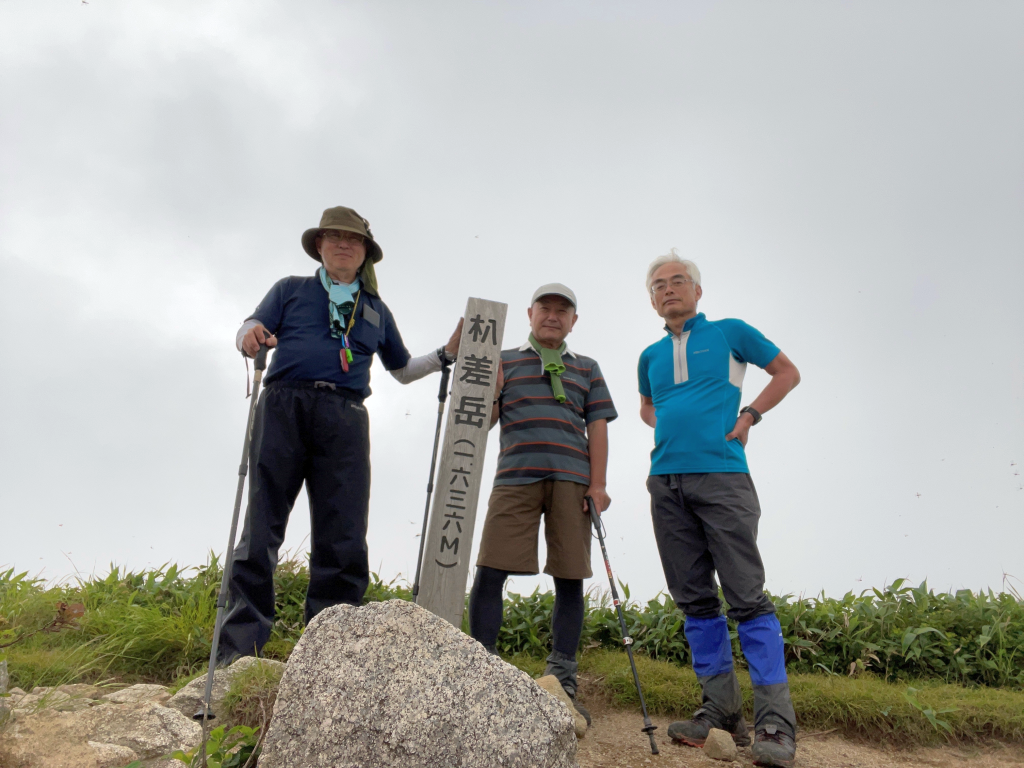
848	176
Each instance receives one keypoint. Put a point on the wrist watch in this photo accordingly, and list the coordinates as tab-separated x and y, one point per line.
442	355
753	413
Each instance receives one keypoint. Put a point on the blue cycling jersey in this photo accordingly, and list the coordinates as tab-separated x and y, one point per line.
695	380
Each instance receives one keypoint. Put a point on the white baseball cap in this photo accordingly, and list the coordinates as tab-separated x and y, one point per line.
555	289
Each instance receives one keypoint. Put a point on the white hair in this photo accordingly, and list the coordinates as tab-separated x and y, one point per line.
672	258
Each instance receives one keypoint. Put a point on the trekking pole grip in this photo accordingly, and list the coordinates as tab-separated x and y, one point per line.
260	361
446	372
592	508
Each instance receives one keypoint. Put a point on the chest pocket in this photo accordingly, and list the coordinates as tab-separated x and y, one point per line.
366	336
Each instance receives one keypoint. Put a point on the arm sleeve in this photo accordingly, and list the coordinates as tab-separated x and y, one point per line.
598	404
641	374
417	368
267	313
748	344
270	311
392	349
244	330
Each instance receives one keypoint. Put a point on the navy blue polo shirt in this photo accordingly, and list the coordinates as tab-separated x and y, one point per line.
295	311
695	380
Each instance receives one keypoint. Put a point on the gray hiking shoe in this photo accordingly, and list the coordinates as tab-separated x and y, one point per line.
774	747
694	732
564	668
581	709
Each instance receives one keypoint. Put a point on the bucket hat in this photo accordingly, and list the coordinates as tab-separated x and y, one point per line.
345	219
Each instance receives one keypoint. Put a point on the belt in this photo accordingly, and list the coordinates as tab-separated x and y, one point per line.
326	386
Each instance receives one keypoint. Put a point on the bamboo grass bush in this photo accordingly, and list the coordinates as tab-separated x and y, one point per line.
156	625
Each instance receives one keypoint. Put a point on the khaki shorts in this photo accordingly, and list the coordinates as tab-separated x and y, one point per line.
509	541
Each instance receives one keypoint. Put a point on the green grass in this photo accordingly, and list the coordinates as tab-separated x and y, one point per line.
900	633
865	707
250	699
924	665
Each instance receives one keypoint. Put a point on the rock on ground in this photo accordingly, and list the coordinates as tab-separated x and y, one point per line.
83	690
189	699
720	745
133	694
390	684
52	739
550	684
112	755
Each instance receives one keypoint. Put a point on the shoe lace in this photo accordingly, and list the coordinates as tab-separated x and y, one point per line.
771	733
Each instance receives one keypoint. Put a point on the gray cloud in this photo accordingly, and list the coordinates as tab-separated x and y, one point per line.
847	177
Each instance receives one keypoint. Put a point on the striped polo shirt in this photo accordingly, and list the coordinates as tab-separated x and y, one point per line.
542	439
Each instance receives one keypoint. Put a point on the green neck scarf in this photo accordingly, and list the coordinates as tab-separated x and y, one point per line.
551	359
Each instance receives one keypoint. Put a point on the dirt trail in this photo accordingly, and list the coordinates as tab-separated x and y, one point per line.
615	741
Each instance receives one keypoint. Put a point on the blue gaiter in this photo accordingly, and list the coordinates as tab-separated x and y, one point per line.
709	645
762	643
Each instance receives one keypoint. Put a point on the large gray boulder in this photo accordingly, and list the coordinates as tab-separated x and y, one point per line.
390	684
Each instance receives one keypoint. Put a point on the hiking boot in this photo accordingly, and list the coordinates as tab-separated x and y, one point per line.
774	747
694	732
581	709
564	667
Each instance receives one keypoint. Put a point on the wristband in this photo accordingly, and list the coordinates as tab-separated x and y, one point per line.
753	414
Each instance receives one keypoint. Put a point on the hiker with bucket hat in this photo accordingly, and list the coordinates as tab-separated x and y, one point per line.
311	426
554	407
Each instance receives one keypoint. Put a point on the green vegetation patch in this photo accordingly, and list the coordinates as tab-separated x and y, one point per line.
251	696
901	664
867	707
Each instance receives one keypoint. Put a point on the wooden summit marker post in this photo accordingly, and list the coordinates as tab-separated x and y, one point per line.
453	511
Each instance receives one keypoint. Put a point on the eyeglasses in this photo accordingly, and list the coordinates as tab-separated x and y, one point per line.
341	236
677	283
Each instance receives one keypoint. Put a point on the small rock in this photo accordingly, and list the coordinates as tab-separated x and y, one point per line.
720	746
550	684
16	692
112	755
189	699
39	690
134	694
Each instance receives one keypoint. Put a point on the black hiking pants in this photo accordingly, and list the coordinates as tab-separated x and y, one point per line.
703	524
304	432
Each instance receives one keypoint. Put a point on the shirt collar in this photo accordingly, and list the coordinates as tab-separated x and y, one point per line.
688	325
528	346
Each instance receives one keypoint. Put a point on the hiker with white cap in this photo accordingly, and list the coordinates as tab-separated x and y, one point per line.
311	426
554	407
705	509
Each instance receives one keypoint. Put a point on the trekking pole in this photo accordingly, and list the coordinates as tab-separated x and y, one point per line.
442	396
205	714
649	727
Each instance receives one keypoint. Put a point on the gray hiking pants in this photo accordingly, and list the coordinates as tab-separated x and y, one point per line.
705	523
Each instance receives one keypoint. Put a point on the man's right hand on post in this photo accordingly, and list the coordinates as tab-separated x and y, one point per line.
254	337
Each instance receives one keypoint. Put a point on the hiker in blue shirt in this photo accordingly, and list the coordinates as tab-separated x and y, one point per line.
311	426
705	509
